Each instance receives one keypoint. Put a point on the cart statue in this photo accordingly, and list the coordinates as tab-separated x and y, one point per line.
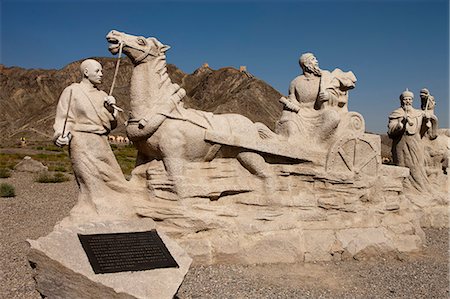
163	130
227	188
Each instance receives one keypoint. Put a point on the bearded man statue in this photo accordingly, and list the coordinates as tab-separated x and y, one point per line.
306	116
406	128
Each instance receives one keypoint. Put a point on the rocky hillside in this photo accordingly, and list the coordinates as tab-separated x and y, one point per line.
28	97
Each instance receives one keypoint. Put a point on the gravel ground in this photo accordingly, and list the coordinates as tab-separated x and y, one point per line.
37	207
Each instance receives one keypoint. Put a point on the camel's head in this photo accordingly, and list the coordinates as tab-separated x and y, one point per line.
137	48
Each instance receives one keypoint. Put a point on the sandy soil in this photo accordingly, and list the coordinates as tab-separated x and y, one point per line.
37	207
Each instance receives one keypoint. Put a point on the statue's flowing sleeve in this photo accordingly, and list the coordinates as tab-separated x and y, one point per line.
63	111
395	124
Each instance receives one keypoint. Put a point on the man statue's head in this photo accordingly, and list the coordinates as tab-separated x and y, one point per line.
424	93
92	70
426	100
406	99
309	64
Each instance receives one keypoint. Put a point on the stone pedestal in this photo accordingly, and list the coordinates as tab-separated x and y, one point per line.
229	215
62	269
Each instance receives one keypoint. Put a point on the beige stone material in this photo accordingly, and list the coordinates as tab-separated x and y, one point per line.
84	117
162	129
106	204
62	269
424	150
316	104
406	128
232	191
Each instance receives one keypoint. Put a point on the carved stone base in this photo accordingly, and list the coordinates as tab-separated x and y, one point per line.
62	269
303	213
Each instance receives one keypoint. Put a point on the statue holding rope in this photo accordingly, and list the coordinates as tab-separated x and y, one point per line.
85	115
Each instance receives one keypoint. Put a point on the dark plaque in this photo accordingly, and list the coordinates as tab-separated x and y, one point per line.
119	252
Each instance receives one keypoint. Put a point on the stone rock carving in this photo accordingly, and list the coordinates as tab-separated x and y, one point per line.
427	105
407	126
62	269
106	204
84	117
162	129
316	113
316	104
437	145
328	199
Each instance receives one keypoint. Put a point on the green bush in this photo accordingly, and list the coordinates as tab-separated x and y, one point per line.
60	168
7	190
5	173
46	177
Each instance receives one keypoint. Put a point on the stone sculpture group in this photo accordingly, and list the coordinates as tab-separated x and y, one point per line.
229	190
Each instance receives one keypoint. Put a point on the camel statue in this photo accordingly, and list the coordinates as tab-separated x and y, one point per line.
162	129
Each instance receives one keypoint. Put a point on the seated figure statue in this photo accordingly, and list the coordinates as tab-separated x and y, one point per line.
316	102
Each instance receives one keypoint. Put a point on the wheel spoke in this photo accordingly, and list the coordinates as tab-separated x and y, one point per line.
346	159
366	161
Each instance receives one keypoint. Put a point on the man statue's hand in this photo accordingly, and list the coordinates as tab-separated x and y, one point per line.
324	96
110	104
110	100
290	104
63	140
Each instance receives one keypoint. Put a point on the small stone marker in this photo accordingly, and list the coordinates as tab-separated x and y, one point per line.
64	268
120	252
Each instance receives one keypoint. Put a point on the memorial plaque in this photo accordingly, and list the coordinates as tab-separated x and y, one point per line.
119	252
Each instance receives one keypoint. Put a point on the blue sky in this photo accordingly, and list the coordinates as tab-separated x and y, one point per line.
390	45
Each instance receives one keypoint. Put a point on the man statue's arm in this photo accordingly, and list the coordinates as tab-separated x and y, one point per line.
110	105
62	125
396	124
330	95
290	102
430	124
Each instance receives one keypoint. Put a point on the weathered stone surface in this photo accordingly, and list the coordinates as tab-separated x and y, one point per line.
225	186
424	150
62	269
319	245
435	217
30	165
305	215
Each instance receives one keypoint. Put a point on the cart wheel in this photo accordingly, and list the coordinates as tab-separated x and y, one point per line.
354	155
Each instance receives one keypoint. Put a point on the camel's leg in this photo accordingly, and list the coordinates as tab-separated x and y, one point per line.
173	148
139	173
175	168
256	164
253	163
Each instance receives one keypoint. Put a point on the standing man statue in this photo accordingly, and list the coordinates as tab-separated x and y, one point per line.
84	117
436	147
406	128
311	110
427	104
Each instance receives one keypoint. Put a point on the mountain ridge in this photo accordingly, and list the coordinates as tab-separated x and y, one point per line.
28	97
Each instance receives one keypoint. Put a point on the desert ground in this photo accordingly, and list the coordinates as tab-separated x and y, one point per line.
37	207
